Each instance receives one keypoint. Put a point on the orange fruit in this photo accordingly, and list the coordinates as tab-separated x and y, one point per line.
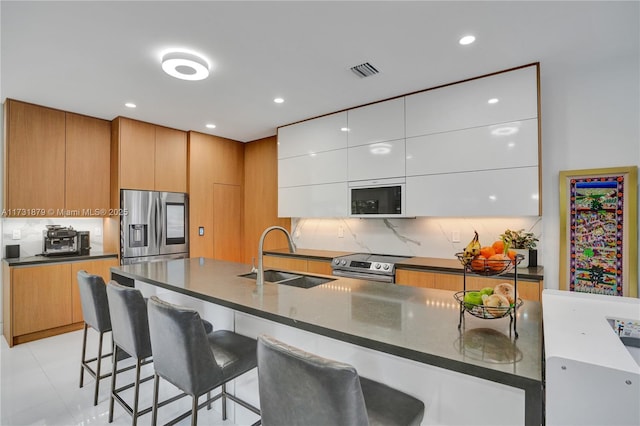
512	255
498	246
478	262
497	262
487	251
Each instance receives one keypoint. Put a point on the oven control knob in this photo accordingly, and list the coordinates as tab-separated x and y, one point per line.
336	261
343	262
386	266
377	266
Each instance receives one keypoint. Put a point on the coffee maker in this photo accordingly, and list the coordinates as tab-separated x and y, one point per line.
62	241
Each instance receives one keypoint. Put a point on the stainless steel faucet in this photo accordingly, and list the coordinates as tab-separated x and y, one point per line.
292	249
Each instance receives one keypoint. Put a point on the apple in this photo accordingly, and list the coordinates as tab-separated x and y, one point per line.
472	298
487	290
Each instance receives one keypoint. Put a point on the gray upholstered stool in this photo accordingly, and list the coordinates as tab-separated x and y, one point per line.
194	362
95	310
300	388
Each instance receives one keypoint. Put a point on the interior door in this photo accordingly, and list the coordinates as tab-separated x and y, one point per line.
227	222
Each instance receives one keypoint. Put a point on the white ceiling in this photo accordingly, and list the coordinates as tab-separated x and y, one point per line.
92	57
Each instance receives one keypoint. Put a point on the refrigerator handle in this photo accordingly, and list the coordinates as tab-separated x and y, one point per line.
159	225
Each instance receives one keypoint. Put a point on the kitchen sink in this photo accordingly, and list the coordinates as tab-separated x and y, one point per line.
287	278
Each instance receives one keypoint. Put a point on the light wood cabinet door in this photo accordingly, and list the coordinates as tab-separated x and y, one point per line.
35	159
41	298
415	278
98	267
87	168
284	263
137	154
319	267
227	222
171	160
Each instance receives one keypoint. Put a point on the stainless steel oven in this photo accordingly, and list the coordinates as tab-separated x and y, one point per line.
367	266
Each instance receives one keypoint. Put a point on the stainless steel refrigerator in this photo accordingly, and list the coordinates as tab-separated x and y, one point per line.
153	226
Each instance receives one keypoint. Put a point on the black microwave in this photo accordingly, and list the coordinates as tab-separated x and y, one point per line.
382	198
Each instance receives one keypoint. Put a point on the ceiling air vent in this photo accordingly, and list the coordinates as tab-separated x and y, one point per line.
364	70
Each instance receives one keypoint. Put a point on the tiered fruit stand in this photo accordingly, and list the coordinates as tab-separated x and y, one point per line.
489	267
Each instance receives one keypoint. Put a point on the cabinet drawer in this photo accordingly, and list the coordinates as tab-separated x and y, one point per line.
316	135
506	145
378	160
465	105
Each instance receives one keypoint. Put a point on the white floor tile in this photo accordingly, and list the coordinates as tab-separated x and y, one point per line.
40	386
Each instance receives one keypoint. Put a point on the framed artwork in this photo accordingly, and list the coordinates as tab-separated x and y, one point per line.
599	231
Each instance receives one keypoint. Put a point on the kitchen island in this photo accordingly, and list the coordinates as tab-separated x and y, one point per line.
406	337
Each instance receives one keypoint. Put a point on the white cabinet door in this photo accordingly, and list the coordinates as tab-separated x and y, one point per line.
328	200
313	169
500	146
378	160
464	105
316	135
508	192
379	122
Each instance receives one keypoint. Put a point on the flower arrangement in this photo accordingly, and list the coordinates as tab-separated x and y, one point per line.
520	239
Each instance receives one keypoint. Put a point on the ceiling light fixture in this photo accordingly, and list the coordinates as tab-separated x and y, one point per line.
130	105
278	100
493	101
185	65
467	40
211	126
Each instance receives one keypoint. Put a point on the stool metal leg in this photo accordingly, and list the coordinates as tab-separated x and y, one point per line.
224	401
95	394
194	411
113	384
154	410
136	392
84	353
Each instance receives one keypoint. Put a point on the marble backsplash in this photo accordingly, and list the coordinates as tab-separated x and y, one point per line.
30	241
424	237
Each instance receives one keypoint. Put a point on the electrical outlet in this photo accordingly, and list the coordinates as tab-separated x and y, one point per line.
97	231
340	231
201	231
17	234
455	236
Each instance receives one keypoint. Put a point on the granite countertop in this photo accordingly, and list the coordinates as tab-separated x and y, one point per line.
37	260
417	263
415	323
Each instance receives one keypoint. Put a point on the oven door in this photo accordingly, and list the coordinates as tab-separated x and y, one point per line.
363	276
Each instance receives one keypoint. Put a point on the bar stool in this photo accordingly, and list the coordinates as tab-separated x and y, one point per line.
297	387
194	362
95	310
130	331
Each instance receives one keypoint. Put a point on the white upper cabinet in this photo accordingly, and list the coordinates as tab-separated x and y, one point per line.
379	122
499	98
378	160
504	145
313	169
317	135
329	200
506	192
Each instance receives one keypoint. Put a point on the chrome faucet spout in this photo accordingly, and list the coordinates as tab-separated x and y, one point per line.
292	249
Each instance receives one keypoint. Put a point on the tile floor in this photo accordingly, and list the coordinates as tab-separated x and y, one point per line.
39	385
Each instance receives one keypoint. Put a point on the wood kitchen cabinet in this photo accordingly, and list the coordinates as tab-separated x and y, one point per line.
297	264
216	196
149	157
34	159
56	164
43	300
527	289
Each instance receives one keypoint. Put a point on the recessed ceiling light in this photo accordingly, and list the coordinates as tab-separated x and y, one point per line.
493	101
344	129
211	126
467	40
278	100
130	105
185	65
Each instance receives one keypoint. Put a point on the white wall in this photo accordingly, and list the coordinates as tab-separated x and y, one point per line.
590	119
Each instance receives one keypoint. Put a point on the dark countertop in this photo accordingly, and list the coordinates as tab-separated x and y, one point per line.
415	263
414	323
39	260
